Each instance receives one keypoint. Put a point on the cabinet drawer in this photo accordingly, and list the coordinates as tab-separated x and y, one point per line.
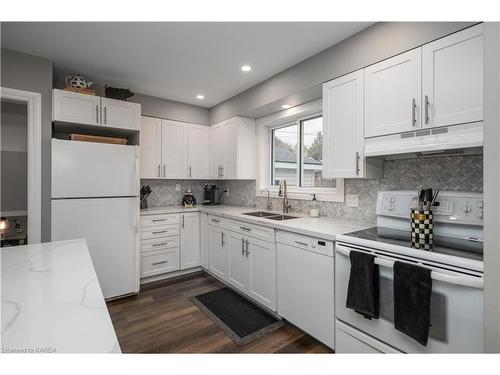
156	262
160	243
157	220
256	231
215	221
160	231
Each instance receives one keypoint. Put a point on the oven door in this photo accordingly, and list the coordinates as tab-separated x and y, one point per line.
456	307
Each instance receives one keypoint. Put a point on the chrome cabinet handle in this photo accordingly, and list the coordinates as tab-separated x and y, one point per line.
242	246
413	108
160	231
248	252
222	171
189	171
155	220
164	171
105	116
97	114
159	170
357	163
162	262
160	244
245	228
183	221
426	99
222	239
301	243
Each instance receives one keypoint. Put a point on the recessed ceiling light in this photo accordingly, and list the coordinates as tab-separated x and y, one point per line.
199	96
246	68
286	106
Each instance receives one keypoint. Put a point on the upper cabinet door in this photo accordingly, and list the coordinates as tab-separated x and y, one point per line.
230	165
452	91
173	149
121	114
77	108
217	150
150	148
198	147
343	126
392	95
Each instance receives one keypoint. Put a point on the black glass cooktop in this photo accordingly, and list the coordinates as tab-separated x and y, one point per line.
470	249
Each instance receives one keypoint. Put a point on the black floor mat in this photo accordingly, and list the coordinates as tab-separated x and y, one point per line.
240	319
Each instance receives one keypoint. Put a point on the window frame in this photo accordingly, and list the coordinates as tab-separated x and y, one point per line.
264	128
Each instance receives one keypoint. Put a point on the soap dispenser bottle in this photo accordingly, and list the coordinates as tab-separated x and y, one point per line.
314	211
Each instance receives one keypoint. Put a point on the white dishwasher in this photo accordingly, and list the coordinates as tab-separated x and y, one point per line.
305	284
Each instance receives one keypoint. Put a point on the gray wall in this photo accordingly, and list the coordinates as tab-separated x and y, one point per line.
302	82
492	188
32	73
153	106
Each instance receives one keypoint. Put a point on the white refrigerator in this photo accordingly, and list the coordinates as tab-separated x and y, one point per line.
95	191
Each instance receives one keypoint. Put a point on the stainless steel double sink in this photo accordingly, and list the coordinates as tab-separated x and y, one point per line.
270	215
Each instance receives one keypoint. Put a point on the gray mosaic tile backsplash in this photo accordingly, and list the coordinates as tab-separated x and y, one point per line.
444	172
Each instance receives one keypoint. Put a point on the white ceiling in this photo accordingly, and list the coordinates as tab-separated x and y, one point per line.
176	61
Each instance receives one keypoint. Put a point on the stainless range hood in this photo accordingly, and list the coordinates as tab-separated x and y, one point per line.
426	141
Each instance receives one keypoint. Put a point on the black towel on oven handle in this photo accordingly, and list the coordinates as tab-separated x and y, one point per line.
412	300
363	288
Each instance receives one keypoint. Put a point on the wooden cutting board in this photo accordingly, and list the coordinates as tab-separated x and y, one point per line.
98	139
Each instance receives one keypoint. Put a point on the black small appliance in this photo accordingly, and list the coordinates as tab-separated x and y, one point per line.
210	194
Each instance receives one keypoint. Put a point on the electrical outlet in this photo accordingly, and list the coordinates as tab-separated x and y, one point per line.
177	187
351	200
227	191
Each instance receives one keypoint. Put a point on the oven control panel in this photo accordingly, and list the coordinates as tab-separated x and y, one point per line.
451	206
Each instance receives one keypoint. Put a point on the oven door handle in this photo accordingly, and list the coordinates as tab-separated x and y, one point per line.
468	281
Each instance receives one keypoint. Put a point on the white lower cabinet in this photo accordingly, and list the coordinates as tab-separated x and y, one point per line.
190	240
169	242
262	272
244	262
217	252
237	274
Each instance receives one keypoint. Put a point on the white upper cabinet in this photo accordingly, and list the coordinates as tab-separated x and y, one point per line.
392	95
77	108
198	141
452	89
173	149
73	107
150	147
190	240
121	114
343	137
233	149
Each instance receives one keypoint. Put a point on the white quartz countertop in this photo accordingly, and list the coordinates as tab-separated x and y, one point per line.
52	302
325	228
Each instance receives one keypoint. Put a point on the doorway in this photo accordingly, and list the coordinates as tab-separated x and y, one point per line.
20	167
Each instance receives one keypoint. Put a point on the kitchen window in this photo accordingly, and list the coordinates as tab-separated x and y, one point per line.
290	148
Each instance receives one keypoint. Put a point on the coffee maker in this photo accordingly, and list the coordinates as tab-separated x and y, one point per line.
209	194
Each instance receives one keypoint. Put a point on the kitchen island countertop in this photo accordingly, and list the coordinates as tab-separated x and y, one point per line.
52	302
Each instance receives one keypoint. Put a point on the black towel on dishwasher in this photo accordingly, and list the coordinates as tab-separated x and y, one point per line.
412	300
363	288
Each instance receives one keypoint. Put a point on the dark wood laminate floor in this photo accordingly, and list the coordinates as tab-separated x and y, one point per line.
162	319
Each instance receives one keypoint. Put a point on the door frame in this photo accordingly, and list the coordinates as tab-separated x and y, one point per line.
33	101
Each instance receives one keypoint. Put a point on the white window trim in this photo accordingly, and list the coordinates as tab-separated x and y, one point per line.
263	152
